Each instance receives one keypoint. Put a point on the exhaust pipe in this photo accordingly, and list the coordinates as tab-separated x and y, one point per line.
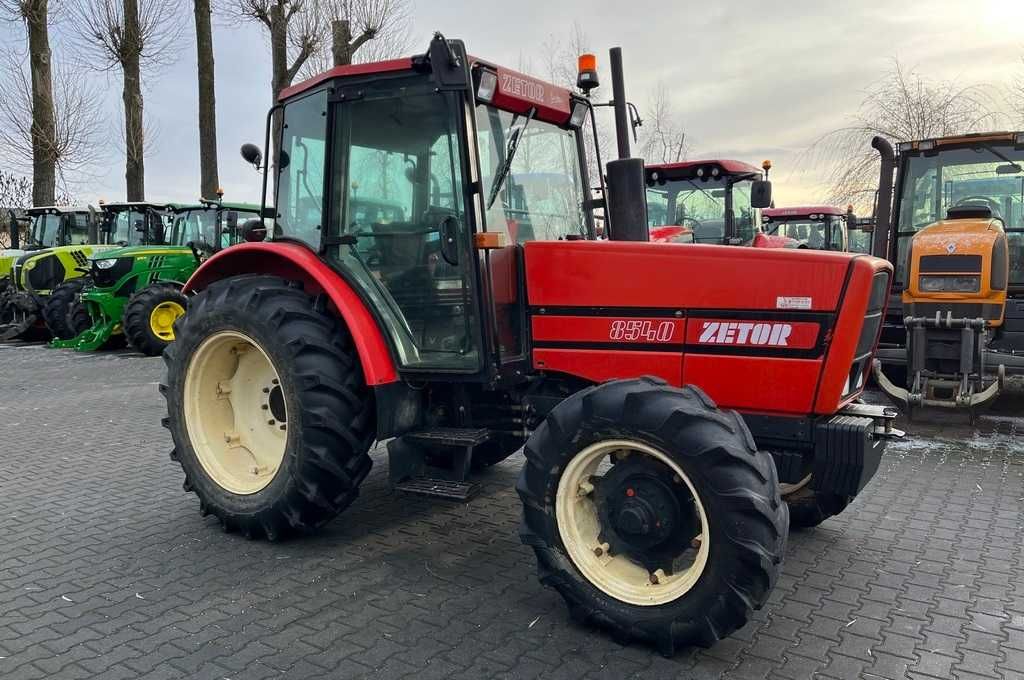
883	212
626	199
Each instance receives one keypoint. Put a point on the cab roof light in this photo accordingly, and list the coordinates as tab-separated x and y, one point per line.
586	78
904	147
1018	138
487	86
926	145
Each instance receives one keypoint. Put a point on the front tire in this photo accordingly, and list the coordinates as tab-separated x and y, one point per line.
268	408
62	303
703	564
150	315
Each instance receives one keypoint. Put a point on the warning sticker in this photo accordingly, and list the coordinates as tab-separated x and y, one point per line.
782	302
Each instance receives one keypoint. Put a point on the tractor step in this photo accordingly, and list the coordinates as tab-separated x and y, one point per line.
450	436
439	488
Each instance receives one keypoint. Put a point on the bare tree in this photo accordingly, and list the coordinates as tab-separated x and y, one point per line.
36	14
376	29
902	106
126	37
296	31
71	146
664	139
208	180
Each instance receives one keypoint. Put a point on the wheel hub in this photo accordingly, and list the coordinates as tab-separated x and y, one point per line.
645	515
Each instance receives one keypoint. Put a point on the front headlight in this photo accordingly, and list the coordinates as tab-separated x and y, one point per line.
105	264
950	284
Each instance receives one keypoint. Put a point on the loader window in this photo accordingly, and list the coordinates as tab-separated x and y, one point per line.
541	198
300	168
399	223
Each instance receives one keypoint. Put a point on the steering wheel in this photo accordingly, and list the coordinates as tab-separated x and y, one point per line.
992	205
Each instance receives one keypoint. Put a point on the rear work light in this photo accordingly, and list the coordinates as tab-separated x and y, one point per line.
579	114
487	87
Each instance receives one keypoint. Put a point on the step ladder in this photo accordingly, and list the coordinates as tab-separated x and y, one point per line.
407	466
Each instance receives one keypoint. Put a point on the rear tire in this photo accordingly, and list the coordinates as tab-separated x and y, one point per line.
743	521
321	419
150	315
61	305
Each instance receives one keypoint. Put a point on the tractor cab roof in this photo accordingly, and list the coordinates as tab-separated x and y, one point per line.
802	211
57	209
708	168
129	205
513	91
968	140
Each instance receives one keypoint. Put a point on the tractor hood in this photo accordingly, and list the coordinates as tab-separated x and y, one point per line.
969	236
139	251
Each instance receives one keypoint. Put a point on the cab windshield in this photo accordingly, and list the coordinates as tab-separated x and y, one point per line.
46	230
541	197
198	226
136	226
990	175
821	233
701	206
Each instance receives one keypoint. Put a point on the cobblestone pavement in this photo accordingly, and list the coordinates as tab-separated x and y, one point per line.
108	571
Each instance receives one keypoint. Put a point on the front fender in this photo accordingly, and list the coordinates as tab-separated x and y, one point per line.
298	263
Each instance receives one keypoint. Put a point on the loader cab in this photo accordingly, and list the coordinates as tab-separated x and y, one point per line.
713	199
815	227
935	177
419	184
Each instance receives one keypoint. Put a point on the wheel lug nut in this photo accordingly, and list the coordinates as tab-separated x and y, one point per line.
266	390
265	407
274	381
284	427
271	422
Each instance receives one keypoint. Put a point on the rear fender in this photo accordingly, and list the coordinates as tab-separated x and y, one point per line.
298	263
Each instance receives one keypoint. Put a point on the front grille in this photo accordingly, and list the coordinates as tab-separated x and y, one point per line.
869	332
950	264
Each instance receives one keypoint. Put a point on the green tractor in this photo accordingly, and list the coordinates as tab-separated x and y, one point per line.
57	244
135	291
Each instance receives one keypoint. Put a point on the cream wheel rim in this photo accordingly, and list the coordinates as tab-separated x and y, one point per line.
235	412
579	525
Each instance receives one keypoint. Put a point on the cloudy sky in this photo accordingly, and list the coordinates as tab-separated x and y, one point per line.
749	80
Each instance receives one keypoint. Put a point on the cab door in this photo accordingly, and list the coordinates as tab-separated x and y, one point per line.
400	218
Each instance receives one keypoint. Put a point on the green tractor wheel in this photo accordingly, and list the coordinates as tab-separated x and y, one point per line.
63	311
149	317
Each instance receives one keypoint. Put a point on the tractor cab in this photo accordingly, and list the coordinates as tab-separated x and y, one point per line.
706	201
53	226
210	225
135	223
816	227
956	236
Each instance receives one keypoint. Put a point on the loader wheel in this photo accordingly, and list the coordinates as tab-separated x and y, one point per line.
149	317
807	507
61	304
267	406
653	513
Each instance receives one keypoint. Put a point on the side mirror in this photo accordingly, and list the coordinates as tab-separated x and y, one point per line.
761	194
232	221
254	230
252	155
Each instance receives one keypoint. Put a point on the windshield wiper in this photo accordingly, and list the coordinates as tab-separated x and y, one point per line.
510	152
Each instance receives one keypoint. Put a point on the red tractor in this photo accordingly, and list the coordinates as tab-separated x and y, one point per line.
708	201
655	509
817	227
